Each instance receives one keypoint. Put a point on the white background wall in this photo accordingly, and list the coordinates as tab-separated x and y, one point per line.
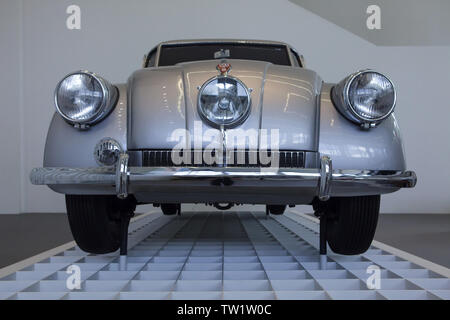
37	50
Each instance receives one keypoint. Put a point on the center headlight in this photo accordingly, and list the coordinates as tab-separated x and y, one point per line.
224	101
83	98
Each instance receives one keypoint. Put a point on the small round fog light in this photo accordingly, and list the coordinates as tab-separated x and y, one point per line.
107	152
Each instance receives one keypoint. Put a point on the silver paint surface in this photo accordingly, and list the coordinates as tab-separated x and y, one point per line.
283	98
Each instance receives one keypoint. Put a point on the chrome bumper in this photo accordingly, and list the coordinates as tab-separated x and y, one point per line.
123	177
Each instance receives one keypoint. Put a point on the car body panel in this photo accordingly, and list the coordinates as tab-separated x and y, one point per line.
283	99
291	97
156	96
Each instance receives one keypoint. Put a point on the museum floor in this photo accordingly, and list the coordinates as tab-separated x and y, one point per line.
424	235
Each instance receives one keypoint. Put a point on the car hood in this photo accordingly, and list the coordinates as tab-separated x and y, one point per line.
163	103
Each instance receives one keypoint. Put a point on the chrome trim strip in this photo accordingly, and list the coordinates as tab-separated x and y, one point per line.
107	176
326	175
291	56
399	179
96	176
122	176
143	174
224	40
158	52
261	102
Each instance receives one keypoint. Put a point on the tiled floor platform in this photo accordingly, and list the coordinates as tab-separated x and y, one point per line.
230	255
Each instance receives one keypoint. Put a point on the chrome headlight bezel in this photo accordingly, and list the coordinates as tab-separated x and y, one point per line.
341	98
109	98
233	124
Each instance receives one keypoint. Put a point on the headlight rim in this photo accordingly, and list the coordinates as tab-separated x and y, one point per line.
349	104
110	95
237	122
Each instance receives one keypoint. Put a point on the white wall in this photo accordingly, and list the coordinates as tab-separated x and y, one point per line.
115	34
10	96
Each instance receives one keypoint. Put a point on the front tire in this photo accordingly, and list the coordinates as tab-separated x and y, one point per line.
95	221
351	223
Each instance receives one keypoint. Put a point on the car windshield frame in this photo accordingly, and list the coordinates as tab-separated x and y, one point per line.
208	50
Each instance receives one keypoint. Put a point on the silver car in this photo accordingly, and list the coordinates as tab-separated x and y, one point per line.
224	123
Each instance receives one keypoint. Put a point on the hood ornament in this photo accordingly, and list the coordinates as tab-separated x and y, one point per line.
223	68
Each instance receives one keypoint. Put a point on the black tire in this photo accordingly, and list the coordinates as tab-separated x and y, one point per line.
169	209
351	223
95	221
276	209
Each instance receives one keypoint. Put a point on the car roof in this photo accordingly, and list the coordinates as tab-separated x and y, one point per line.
175	42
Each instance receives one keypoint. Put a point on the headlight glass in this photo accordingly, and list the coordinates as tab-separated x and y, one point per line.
83	98
371	96
79	97
224	101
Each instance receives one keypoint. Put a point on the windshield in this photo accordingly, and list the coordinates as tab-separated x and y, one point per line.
173	54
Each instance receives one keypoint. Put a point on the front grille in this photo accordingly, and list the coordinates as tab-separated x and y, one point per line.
163	158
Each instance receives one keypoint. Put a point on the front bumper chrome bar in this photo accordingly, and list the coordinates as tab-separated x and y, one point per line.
325	178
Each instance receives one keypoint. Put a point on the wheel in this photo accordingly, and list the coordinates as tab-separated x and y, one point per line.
351	223
95	221
276	209
169	209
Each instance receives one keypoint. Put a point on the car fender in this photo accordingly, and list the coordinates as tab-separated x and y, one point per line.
67	146
352	147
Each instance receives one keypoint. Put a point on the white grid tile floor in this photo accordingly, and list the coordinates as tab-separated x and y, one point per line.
230	255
